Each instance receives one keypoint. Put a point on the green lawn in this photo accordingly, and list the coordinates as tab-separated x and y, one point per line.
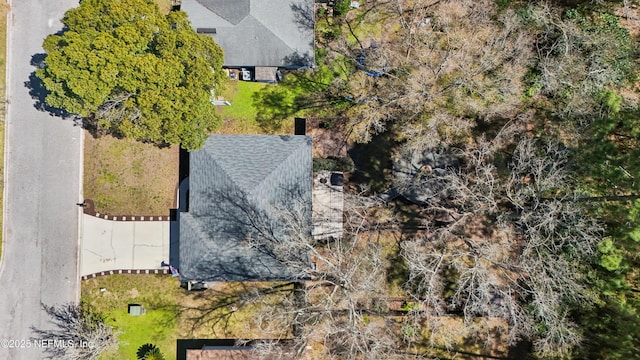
159	294
171	312
240	117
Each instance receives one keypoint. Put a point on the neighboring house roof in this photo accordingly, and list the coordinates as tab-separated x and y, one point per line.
239	186
210	354
230	349
236	353
258	32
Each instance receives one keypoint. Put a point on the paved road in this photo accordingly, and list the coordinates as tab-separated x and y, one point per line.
40	251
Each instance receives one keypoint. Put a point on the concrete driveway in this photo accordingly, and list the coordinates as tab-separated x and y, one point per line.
123	245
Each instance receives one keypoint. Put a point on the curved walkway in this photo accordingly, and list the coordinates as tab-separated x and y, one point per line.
110	245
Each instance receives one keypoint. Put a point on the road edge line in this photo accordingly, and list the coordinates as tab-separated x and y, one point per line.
80	234
5	187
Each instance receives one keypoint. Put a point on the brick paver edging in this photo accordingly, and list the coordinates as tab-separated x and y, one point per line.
89	208
126	271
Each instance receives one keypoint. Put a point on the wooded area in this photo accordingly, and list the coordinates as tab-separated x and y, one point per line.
513	131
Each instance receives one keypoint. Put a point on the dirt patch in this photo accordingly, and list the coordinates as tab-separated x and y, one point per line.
630	19
165	5
133	293
329	136
126	177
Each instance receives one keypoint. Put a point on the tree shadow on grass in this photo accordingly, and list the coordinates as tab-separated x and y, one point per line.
214	308
299	91
39	93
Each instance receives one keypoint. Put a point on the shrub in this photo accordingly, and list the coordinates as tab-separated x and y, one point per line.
345	164
149	352
341	7
342	164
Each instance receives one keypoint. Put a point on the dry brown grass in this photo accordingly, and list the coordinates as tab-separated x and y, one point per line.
165	5
629	19
126	177
238	320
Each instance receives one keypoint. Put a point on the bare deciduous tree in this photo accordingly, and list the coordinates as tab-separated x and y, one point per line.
445	64
578	56
81	332
513	250
338	306
337	301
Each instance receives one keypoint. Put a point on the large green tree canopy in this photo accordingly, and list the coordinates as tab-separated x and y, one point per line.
134	72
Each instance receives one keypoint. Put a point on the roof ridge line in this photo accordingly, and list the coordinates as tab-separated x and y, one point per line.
286	44
291	154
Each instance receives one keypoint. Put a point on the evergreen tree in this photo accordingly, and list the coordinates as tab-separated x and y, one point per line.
134	72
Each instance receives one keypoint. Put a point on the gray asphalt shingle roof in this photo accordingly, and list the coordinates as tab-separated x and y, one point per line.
236	182
258	32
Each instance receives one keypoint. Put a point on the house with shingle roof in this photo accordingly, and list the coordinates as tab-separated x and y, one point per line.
257	33
244	206
232	349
